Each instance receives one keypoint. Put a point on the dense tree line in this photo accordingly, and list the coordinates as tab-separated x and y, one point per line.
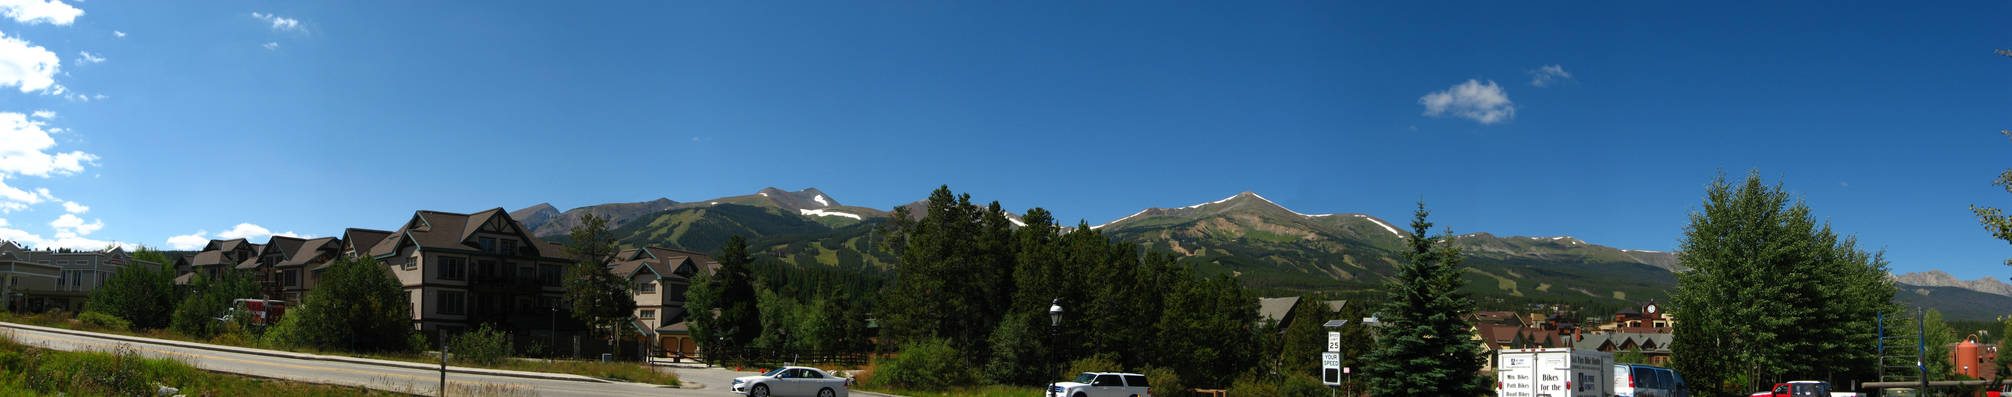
1771	294
969	277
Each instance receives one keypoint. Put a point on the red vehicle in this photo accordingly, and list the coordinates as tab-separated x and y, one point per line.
262	311
1803	388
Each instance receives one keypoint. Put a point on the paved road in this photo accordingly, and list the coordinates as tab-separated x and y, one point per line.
699	382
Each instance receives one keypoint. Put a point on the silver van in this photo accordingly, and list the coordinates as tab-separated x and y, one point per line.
1637	380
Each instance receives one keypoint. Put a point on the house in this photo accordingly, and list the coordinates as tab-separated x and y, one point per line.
1279	311
659	278
463	270
1646	318
77	273
1655	347
217	256
301	267
264	265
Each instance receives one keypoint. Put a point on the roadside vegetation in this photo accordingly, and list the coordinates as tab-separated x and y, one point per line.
33	371
357	310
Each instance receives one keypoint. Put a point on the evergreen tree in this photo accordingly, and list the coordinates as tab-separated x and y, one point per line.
1305	339
739	321
1770	295
1426	348
140	294
357	306
596	295
210	299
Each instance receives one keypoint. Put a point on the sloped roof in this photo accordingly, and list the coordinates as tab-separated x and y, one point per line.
248	264
436	229
185	278
309	250
1276	309
287	247
208	258
1618	339
363	239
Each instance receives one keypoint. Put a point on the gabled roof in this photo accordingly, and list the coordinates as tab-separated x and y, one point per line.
436	229
285	246
1620	340
664	262
208	258
311	249
363	239
248	264
225	245
1276	309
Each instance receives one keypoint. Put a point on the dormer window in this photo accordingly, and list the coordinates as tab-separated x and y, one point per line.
488	244
509	247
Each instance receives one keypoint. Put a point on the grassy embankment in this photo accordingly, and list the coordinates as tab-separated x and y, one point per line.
629	372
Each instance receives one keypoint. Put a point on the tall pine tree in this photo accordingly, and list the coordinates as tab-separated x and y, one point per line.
739	322
1426	348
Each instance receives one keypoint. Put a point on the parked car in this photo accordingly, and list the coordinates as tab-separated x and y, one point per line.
792	382
1103	384
1805	388
1637	380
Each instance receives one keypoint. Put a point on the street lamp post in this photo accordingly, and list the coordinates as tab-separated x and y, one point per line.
1054	333
555	332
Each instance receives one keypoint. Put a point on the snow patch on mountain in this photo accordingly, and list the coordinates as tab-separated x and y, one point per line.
812	212
1013	218
1379	222
1212	202
1141	212
820	200
763	194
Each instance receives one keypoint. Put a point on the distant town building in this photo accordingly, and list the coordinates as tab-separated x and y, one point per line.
44	279
1647	318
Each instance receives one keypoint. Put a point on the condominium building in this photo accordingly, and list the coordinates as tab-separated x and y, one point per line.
28	283
658	279
468	269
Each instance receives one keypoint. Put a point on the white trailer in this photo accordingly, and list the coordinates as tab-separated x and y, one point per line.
1557	372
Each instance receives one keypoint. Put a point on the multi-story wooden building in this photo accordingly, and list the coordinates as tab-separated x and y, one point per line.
77	273
658	278
463	270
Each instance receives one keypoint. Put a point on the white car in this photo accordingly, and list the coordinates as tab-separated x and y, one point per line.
1103	384
792	382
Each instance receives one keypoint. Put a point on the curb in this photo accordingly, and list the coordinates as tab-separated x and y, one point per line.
305	356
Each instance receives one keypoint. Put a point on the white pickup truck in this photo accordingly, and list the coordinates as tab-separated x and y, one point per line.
1103	384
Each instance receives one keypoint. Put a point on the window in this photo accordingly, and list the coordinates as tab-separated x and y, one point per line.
647	287
509	247
649	314
1108	380
453	269
292	278
412	263
488	269
452	302
488	244
548	275
1135	380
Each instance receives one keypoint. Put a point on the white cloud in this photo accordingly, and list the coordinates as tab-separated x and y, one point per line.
1546	74
250	231
28	66
14	199
189	241
116	33
74	208
86	57
72	225
44	114
69	234
24	149
279	23
271	45
245	231
1486	104
39	11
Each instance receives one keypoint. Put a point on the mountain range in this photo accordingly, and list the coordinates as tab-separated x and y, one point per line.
1271	247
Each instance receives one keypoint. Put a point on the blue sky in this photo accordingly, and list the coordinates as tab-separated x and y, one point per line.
1598	120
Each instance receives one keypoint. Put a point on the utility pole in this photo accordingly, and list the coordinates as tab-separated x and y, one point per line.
1921	348
443	362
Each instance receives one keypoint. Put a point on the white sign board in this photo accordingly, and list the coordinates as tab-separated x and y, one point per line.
1330	368
1333	341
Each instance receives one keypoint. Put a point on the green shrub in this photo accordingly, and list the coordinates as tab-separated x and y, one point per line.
1097	363
1302	386
1165	382
105	321
1249	385
486	346
926	365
